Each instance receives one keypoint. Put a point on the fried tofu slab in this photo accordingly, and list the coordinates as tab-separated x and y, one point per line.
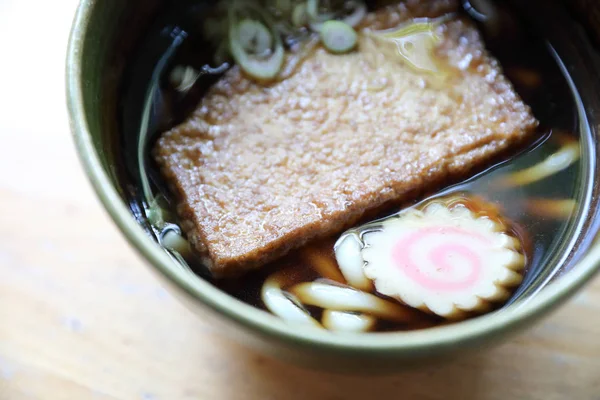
260	169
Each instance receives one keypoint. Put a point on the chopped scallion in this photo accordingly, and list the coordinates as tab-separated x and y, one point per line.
248	40
338	37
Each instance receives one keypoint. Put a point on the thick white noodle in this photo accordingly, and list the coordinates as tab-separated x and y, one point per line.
343	298
175	242
349	258
342	321
552	208
284	305
555	163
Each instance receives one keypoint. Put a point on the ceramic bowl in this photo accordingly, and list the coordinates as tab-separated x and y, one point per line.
106	33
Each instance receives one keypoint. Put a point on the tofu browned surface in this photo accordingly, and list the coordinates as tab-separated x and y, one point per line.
260	169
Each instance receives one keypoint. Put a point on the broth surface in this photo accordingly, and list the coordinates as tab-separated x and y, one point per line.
528	62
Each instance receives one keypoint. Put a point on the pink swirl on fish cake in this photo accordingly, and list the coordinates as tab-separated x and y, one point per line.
438	256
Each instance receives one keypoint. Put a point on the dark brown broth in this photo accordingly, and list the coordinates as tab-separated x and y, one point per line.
531	67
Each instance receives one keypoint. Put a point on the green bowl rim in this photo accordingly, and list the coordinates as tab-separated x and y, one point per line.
407	343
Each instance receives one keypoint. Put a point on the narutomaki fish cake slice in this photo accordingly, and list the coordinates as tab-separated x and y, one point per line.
448	261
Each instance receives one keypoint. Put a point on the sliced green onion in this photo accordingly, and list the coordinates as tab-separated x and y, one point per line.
338	37
260	66
255	67
254	37
315	19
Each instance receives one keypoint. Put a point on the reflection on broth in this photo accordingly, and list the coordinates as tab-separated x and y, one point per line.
252	192
556	162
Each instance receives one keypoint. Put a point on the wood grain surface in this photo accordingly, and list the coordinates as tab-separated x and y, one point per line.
82	317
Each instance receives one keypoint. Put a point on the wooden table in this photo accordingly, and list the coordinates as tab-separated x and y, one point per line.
83	318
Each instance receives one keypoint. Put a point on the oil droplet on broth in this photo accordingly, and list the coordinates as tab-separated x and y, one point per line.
414	44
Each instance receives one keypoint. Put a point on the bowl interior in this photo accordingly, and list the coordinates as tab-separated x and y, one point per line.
110	39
